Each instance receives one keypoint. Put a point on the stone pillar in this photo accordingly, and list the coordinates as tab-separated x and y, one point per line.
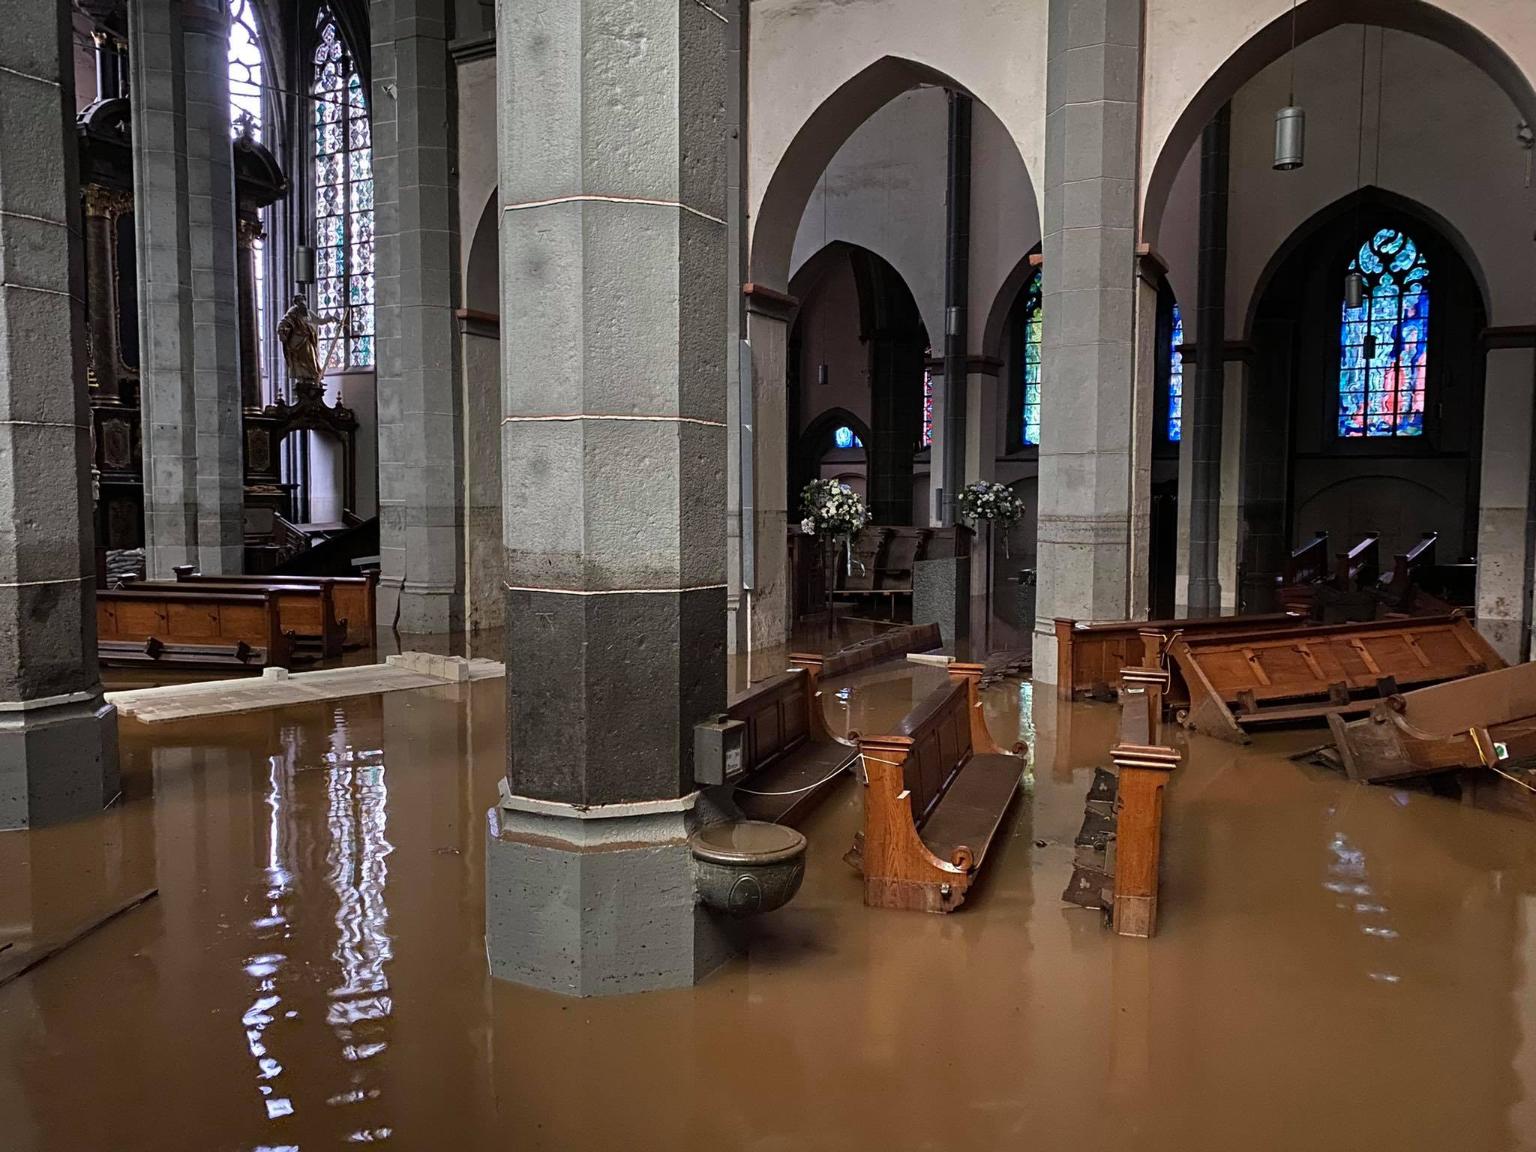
102	208
58	737
1151	355
1084	530
184	193
1504	542
247	232
768	317
421	509
614	297
1205	405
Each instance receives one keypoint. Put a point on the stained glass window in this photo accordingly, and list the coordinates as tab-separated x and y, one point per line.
343	203
246	116
927	399
1176	378
1384	342
1032	314
846	437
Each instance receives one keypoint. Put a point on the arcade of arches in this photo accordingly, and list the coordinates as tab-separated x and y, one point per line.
548	313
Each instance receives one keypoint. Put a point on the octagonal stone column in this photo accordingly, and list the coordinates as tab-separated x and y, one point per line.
58	737
613	161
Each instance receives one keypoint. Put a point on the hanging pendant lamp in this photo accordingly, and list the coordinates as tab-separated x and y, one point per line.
1291	121
1354	290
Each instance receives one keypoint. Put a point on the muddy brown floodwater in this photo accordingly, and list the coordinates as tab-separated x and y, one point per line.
1339	967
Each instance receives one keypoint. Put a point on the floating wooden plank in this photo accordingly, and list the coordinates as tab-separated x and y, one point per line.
1308	673
1442	728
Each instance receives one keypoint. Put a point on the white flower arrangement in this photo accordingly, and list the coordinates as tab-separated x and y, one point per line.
831	509
996	503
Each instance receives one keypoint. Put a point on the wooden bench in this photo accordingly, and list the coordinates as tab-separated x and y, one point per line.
1120	846
1305	568
936	792
1442	728
354	598
876	650
881	574
791	761
225	628
1297	674
1091	656
307	611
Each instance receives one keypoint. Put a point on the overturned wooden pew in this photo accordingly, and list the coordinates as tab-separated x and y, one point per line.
1473	722
307	612
1299	674
1090	657
936	792
354	598
227	628
1119	850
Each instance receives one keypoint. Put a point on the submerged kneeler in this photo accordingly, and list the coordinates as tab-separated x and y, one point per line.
936	793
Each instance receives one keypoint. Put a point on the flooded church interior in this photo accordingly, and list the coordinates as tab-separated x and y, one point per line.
859	573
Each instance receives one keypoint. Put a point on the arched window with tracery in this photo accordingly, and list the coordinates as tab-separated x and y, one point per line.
1031	367
247	116
343	190
1384	343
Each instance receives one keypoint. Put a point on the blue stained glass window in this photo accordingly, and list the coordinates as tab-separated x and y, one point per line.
1384	343
1032	313
846	437
1176	379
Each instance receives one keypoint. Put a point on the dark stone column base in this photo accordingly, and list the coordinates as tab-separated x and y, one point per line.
598	905
941	594
58	759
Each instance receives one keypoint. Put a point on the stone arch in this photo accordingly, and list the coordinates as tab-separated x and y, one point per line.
1313	18
482	269
996	328
1369	198
812	148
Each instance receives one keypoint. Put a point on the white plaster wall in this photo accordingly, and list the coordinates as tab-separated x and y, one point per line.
1185	44
802	51
884	190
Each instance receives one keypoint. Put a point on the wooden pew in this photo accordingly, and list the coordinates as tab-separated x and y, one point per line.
791	760
1305	568
355	598
1407	567
1143	765
220	628
881	576
1298	674
307	611
1120	846
1360	566
936	793
1090	656
1442	728
876	650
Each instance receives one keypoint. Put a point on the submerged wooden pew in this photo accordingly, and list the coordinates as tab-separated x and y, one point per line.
1119	848
1442	728
867	653
307	611
202	629
936	793
354	598
791	762
1308	673
1091	656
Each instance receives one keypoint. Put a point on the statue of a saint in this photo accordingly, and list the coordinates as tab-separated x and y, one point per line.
299	334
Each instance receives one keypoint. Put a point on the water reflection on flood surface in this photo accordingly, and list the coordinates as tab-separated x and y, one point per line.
1338	966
